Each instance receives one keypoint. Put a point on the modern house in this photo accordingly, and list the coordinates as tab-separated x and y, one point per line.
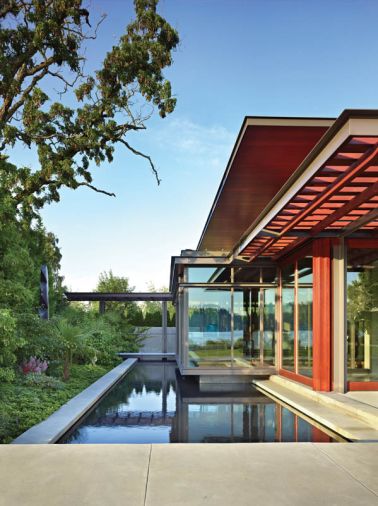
285	276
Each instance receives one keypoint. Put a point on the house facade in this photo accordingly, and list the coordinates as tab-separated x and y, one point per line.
284	279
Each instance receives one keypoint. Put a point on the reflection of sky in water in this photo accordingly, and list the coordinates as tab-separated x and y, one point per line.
116	435
148	401
136	411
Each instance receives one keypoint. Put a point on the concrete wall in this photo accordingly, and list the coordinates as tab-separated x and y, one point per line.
153	342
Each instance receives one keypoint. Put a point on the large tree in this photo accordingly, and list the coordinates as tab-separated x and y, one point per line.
43	42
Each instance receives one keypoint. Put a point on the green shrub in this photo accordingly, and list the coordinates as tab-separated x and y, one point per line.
9	343
42	380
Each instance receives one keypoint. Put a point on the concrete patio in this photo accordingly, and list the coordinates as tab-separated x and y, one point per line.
190	474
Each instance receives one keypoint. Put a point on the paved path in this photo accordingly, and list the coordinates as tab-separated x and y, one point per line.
267	474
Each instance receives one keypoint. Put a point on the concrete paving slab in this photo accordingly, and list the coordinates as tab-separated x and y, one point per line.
244	474
359	459
71	475
370	398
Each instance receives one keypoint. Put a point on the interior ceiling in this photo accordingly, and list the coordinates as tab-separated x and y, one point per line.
266	157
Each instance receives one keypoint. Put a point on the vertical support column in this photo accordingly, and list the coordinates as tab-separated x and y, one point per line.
339	317
102	306
164	325
322	315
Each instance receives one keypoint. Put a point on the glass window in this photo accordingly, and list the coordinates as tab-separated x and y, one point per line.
247	326
269	327
305	270
362	314
305	331
209	327
288	328
209	274
297	317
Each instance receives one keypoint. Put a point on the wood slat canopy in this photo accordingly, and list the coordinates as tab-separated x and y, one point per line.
340	198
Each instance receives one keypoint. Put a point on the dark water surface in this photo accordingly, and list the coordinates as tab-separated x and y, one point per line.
153	404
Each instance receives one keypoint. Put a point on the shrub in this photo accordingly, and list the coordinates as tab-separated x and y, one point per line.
41	380
9	342
39	337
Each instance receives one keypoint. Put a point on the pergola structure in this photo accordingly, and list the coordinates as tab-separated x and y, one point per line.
102	298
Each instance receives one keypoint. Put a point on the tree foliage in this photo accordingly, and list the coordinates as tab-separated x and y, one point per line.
43	42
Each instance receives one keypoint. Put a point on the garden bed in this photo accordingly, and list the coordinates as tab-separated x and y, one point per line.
22	405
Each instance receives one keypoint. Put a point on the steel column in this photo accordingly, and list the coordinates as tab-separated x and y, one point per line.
164	325
339	317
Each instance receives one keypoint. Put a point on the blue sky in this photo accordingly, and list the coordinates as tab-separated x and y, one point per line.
236	58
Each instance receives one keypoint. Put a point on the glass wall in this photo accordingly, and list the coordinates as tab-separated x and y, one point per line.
209	312
305	316
296	314
227	327
362	314
288	316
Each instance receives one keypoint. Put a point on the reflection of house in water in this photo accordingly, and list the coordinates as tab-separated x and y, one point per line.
234	414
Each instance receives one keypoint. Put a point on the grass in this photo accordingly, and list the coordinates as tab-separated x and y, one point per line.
22	406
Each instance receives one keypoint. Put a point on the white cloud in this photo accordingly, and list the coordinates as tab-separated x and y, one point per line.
208	146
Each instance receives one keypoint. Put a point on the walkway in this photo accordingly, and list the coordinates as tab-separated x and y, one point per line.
267	474
353	415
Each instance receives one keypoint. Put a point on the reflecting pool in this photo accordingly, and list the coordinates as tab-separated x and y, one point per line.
154	404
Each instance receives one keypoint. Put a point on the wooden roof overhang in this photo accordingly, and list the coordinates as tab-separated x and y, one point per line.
266	153
334	192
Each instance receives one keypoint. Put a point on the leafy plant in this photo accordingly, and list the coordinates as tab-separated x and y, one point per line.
9	342
73	342
43	381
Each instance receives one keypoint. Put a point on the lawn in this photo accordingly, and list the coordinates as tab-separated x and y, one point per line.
22	405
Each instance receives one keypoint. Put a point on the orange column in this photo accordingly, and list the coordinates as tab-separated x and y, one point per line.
322	315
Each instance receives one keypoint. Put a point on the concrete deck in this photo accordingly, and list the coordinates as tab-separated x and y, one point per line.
347	415
267	474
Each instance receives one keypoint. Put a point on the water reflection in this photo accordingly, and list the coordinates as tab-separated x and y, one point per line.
155	405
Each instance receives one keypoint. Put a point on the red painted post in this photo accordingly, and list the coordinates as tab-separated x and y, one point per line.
322	333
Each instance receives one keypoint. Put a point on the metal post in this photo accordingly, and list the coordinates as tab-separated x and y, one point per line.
339	318
164	325
102	306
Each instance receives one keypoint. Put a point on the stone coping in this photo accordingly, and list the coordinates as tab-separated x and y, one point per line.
338	420
348	404
56	425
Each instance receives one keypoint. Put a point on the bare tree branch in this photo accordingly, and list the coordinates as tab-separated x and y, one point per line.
139	153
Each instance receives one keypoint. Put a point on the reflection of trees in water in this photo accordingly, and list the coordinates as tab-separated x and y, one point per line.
138	380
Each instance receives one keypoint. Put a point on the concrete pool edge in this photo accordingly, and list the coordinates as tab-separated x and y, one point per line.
49	431
330	416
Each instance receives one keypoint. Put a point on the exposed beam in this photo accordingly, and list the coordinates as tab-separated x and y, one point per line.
344	210
354	169
364	220
118	297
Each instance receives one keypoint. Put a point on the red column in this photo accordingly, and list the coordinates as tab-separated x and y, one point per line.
322	315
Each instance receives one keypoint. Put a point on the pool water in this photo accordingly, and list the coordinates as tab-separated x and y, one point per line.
154	404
